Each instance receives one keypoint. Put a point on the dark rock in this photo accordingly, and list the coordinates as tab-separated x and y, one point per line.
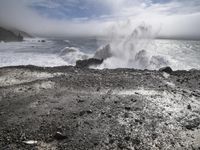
154	136
81	113
127	108
195	94
88	62
138	121
126	115
133	100
136	141
85	112
59	136
127	138
111	141
192	124
43	41
109	116
166	69
189	107
9	36
98	89
80	100
89	111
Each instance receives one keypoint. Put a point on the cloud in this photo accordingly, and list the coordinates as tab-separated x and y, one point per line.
92	17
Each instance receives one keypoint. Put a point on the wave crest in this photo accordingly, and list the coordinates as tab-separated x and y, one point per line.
72	54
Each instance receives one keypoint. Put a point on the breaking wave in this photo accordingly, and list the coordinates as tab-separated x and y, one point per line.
72	54
126	49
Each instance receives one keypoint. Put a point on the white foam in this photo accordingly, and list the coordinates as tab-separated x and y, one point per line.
129	48
29	52
72	54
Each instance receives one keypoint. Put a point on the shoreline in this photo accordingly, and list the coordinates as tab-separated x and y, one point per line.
72	108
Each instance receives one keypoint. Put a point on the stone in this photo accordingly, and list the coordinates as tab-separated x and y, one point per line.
88	62
59	136
166	69
189	107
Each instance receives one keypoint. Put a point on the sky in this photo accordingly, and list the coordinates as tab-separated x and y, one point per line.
168	18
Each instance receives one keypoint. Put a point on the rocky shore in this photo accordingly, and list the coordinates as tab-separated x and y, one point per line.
73	108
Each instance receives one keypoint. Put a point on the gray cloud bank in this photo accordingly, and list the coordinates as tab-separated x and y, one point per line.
172	19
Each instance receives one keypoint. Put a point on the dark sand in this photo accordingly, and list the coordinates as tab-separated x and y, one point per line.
69	108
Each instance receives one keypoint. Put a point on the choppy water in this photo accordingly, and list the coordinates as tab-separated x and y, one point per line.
179	54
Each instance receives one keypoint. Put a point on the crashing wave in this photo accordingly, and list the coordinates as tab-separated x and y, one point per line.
72	54
130	49
103	52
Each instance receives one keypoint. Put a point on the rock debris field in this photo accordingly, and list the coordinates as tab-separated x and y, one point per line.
77	109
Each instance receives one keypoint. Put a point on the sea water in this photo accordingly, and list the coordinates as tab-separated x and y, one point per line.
130	52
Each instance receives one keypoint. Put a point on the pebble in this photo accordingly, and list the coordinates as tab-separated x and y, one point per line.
30	142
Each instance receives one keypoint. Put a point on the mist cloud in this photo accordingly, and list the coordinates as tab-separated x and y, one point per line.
93	17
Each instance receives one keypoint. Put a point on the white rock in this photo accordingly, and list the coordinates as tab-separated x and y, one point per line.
31	142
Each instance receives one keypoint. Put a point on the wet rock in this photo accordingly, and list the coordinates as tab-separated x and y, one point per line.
166	69
88	62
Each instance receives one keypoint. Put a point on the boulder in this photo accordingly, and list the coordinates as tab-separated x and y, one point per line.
166	69
88	62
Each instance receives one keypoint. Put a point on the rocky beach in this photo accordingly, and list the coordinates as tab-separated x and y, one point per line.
70	108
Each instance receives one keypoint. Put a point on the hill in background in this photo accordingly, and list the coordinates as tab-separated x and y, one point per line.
12	35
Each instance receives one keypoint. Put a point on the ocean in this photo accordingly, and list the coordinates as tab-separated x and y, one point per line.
119	53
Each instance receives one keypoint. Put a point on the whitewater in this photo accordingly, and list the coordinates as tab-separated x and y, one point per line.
132	50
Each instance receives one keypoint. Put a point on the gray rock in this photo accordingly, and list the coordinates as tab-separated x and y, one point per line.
88	62
166	69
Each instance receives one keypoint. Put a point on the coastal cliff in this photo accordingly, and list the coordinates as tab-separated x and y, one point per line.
9	36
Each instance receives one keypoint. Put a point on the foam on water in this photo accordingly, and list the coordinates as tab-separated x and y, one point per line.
72	54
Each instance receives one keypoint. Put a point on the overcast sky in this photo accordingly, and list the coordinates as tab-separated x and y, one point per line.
93	17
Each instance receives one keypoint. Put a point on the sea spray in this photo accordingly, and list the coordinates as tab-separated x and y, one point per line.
72	54
128	48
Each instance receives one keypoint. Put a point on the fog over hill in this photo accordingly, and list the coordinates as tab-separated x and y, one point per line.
7	35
